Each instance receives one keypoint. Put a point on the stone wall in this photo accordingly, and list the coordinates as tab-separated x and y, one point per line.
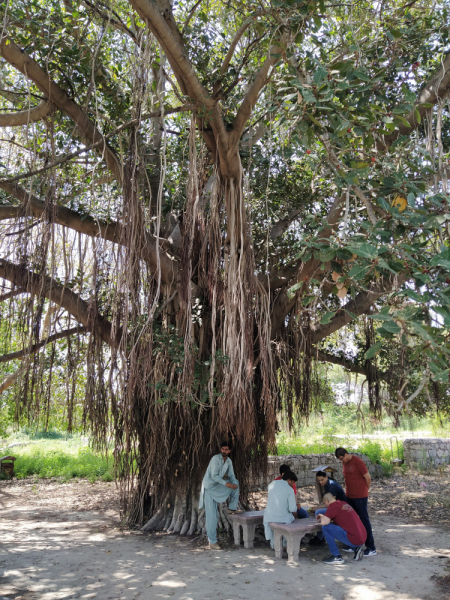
427	452
301	465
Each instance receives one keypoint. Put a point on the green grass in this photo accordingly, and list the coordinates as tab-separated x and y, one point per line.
53	457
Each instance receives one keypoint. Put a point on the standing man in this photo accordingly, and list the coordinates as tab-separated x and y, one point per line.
330	486
281	506
346	527
357	485
218	484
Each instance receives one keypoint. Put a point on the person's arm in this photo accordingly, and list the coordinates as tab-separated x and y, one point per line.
368	479
323	520
231	475
292	506
215	472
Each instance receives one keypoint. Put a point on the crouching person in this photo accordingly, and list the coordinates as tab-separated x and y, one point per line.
346	527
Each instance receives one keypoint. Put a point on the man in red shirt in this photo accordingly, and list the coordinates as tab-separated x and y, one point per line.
346	527
357	485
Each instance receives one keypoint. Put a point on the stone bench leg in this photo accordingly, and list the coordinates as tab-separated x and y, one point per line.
237	533
249	534
278	544
293	546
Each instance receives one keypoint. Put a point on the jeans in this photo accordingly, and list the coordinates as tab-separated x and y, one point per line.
333	532
302	513
320	511
360	507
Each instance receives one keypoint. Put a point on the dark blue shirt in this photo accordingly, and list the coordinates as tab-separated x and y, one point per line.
334	488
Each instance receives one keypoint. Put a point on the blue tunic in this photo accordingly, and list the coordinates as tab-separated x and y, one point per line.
280	506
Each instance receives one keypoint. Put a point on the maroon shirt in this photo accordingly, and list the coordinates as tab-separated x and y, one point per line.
355	484
344	516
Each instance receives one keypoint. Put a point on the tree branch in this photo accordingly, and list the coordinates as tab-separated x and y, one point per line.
43	285
303	271
23	117
6	383
172	42
239	33
282	225
110	231
437	87
86	129
245	110
358	306
35	347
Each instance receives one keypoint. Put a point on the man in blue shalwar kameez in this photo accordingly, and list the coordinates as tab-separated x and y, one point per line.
281	505
218	484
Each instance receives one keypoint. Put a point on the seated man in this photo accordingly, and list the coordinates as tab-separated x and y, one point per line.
301	512
330	486
281	507
347	527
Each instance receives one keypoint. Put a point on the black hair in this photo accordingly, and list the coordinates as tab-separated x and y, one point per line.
227	444
284	469
340	452
321	474
290	475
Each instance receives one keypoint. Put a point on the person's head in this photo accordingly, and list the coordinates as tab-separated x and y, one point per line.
225	449
284	469
322	477
290	477
328	499
342	455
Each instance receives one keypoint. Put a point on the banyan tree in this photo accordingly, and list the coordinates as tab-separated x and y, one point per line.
199	202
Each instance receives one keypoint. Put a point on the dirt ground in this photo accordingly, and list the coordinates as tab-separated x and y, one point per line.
63	541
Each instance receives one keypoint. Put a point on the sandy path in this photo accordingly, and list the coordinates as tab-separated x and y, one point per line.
50	550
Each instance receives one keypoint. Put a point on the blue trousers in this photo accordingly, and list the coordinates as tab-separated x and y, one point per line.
320	511
302	513
333	532
360	507
211	508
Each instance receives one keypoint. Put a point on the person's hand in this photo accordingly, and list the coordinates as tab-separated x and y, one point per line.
232	486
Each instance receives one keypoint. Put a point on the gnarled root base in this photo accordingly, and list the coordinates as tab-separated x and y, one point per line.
180	514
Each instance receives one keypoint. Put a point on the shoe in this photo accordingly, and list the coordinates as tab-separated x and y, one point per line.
214	546
347	549
315	541
368	552
333	560
233	512
359	553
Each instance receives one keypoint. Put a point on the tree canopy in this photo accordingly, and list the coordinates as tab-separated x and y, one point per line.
201	200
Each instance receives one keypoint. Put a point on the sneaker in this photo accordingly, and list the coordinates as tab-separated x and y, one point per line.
368	552
359	553
347	549
315	541
214	546
233	512
333	560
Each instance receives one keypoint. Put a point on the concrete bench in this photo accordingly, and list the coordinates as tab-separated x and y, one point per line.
294	533
248	521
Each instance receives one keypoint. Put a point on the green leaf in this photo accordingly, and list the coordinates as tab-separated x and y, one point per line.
358	272
365	250
307	300
373	350
327	318
392	327
291	291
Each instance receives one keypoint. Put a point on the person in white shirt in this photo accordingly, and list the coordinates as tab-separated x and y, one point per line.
281	504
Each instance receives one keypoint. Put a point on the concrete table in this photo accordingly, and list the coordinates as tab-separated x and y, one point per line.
248	521
294	533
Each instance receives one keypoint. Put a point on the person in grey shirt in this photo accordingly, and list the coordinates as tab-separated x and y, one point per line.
219	484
